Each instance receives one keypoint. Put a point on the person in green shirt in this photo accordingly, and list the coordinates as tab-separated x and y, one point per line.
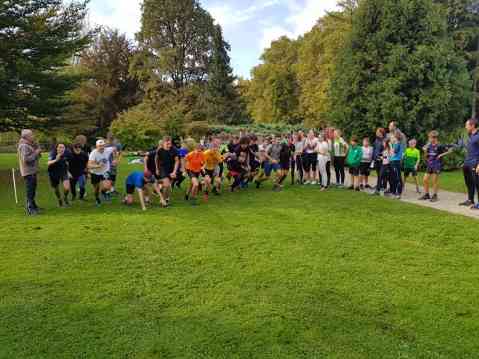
353	161
411	161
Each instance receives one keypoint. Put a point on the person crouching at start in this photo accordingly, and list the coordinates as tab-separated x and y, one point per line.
138	181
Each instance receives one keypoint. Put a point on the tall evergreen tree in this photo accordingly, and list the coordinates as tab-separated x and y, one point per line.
224	103
400	64
37	41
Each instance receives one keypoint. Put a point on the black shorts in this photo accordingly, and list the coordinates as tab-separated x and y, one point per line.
222	169
354	171
111	176
210	173
365	169
310	161
165	173
56	179
410	172
96	179
192	174
255	165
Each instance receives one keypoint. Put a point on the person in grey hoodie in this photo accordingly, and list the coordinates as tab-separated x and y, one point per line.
29	153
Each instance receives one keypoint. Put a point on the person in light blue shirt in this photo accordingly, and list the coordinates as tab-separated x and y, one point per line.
396	158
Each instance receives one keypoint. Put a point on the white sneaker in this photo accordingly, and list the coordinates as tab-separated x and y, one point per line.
314	182
307	182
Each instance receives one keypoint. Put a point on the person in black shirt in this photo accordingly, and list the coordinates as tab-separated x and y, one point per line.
167	164
58	172
77	165
284	164
150	167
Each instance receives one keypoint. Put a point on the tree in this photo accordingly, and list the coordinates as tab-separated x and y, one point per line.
37	40
399	64
107	88
224	102
274	92
317	59
176	40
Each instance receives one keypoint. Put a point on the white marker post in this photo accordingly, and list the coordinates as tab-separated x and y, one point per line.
14	186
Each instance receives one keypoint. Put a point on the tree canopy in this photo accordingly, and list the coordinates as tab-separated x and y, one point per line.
37	42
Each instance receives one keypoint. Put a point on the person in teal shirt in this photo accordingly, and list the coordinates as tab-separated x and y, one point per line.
411	161
353	161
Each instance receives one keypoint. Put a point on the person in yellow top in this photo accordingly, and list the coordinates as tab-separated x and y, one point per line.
213	159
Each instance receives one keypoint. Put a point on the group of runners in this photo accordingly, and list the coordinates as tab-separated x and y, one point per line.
237	162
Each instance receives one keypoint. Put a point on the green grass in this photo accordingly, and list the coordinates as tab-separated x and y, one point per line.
257	274
452	181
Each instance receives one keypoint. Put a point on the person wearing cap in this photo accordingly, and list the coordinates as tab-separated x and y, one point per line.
29	154
138	181
99	165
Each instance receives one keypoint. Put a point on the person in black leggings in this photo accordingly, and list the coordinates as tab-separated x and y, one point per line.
339	148
378	148
471	165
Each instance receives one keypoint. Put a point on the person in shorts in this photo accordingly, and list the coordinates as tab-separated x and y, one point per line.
411	162
58	173
99	165
137	181
213	159
365	166
195	161
284	165
310	158
353	161
273	154
434	152
263	165
115	147
167	165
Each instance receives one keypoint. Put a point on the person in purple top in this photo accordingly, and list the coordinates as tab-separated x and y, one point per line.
434	152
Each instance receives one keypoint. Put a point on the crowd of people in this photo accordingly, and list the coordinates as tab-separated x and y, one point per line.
237	162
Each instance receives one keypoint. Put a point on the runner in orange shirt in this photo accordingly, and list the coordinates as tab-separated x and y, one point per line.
195	162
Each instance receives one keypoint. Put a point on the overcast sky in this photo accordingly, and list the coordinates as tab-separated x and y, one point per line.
249	25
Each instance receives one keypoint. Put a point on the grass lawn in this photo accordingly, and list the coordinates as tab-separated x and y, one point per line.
449	181
257	274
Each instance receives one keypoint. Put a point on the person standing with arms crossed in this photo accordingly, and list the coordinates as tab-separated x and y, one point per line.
29	154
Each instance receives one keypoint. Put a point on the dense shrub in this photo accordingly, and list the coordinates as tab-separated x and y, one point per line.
137	128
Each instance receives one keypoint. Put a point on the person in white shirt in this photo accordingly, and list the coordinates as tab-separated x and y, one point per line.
298	156
324	158
99	165
365	167
311	158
